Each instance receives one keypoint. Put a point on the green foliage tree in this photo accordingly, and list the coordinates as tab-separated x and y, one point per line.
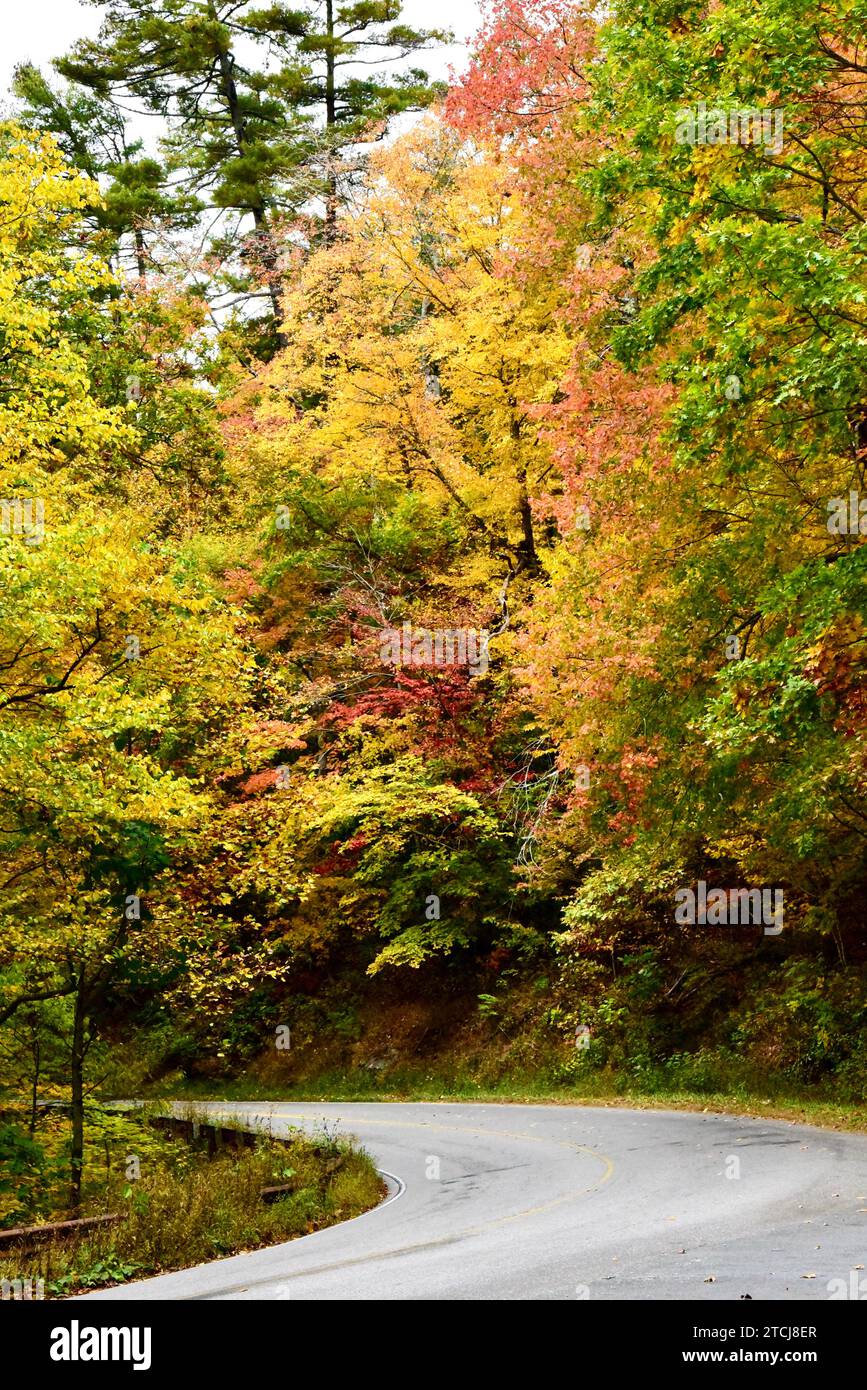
240	89
118	651
92	131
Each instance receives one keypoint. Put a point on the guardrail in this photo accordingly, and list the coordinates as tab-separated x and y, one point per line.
215	1137
34	1235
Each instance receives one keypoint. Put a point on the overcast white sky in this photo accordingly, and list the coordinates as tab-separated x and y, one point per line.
39	30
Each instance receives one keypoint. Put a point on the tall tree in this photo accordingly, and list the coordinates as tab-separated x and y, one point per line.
107	677
93	133
339	40
252	96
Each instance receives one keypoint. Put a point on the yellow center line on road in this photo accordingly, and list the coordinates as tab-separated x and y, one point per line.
607	1163
457	1129
479	1229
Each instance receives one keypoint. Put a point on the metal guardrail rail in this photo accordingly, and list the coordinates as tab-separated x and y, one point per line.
215	1137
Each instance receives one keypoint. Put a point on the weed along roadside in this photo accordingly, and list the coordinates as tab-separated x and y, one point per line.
182	1190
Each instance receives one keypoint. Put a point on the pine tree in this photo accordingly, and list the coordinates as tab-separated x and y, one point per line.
93	133
253	96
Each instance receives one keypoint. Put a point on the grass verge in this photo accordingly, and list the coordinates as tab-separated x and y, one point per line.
605	1090
186	1209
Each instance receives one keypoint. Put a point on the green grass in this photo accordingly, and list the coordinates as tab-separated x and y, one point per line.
180	1215
774	1100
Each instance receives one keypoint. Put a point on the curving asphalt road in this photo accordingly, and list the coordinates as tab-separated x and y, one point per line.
564	1202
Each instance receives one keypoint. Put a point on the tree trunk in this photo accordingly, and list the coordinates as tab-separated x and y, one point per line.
268	256
526	550
267	249
77	1086
140	253
330	124
34	1089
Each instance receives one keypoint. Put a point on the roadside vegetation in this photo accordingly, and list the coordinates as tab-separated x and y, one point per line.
179	1205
